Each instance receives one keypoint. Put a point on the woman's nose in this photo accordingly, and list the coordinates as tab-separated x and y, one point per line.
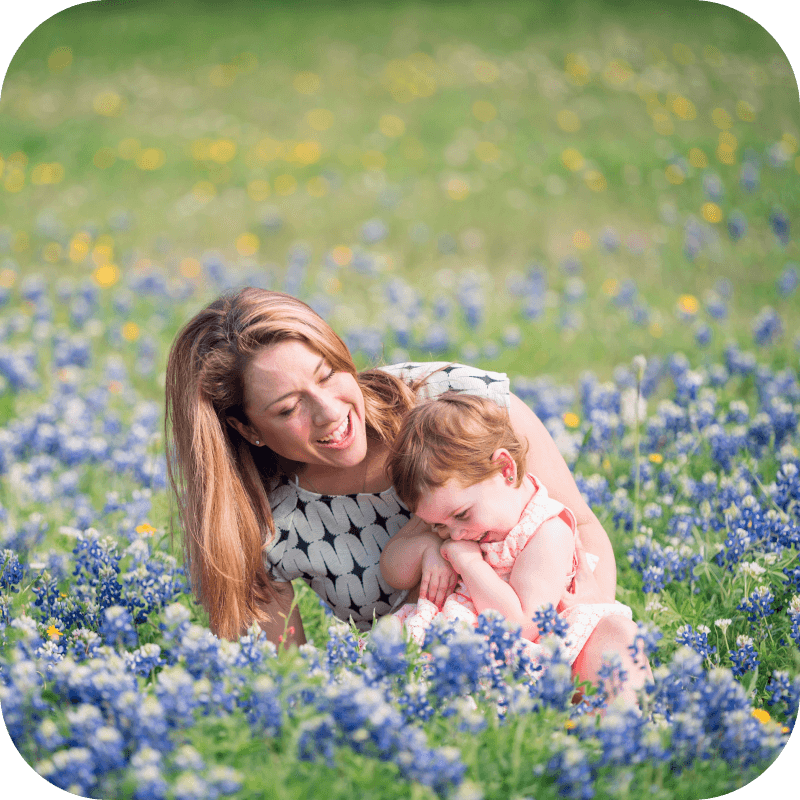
327	409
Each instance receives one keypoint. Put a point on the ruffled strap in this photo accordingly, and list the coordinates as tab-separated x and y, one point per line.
540	508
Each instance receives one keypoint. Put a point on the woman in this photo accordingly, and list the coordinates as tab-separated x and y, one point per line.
277	455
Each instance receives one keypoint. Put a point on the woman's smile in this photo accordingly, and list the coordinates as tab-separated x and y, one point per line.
341	437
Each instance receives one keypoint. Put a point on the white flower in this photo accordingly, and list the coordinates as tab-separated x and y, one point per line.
639	364
630	409
742	640
723	624
751	569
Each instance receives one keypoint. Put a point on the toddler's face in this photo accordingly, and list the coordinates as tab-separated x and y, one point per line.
483	512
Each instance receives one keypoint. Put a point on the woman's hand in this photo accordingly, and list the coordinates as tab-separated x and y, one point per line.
438	577
586	587
461	554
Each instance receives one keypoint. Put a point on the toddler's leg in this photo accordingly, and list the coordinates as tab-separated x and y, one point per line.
614	633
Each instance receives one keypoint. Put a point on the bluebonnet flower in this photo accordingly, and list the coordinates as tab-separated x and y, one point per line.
436	339
783	418
505	648
83	644
713	187
48	736
71	769
190	786
386	649
146	767
749	176
11	570
548	621
715	306
661	565
262	705
144	659
609	239
470	296
573	771
458	655
554	686
785	694
355	714
794	616
737	225
779	222
787	485
788	280
645	642
693	238
622	509
744	658
374	230
703	335
758	605
116	627
767	327
83	721
696	639
342	648
738	362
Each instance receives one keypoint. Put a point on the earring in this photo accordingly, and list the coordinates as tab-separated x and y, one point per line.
510	478
257	442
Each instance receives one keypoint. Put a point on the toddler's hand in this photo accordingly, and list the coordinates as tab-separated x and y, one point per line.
459	554
438	577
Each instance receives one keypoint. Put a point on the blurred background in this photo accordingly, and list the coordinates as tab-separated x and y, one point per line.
537	187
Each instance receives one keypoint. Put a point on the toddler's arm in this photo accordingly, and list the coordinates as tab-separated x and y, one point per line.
538	576
412	557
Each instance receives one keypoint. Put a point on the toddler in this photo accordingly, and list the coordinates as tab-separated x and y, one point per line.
457	463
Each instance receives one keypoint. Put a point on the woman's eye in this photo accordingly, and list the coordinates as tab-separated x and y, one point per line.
287	411
462	516
329	376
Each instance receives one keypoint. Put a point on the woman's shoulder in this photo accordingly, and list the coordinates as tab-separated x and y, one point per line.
438	377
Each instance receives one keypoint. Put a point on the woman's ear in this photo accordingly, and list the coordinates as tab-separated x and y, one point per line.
508	466
245	431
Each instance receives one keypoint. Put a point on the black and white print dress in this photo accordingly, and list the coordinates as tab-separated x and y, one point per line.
334	542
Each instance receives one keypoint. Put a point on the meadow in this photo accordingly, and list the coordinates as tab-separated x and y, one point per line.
600	200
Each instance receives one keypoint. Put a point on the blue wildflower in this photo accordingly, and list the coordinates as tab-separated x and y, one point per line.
744	658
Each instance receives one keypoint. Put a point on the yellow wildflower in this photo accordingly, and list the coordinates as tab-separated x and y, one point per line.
145	529
54	632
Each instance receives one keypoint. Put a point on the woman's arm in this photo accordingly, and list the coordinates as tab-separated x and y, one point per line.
547	464
278	630
537	578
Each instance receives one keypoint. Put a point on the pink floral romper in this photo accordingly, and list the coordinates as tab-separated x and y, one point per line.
582	619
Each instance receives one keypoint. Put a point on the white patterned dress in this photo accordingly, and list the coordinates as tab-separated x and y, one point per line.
582	619
334	542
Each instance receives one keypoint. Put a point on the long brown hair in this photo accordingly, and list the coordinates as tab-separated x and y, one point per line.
451	437
219	479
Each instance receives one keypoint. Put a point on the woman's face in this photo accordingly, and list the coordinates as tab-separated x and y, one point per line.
302	409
